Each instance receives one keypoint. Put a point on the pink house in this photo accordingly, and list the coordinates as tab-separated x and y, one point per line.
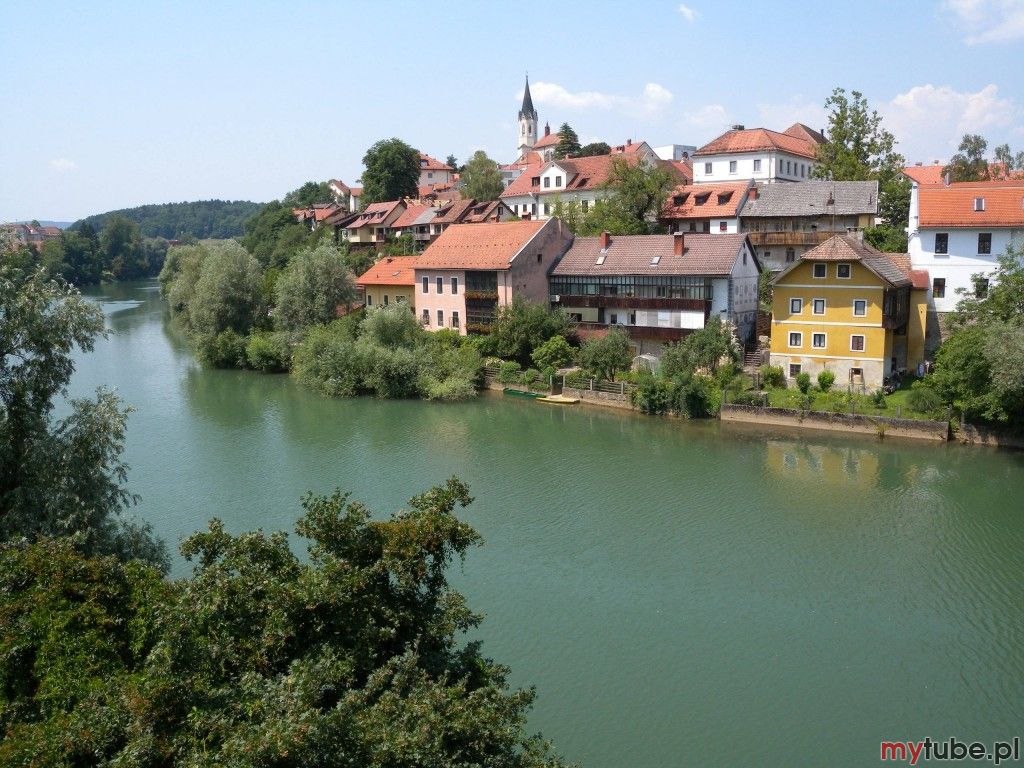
472	269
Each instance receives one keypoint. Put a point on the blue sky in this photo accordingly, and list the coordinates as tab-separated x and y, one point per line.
108	105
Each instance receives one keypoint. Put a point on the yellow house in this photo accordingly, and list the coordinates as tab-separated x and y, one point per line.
848	308
390	281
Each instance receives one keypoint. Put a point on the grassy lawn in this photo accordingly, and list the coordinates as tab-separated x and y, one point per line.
839	401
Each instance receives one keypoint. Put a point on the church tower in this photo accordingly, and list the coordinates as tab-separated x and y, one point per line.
527	121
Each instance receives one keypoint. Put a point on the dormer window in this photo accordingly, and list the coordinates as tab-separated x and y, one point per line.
724	198
535	181
701	199
979	204
680	199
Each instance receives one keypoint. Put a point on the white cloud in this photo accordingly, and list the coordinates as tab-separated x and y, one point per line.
652	100
688	13
989	21
929	120
705	122
62	165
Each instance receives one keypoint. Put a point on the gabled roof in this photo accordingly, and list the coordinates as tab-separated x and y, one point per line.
453	212
630	147
953	206
375	213
580	173
428	163
702	201
408	217
548	140
480	212
684	168
480	246
341	218
801	131
756	140
810	198
391	270
924	174
340	185
893	268
711	255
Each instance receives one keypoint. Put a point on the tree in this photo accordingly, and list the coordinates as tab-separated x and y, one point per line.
593	149
352	655
889	239
227	295
310	193
969	163
273	235
522	326
452	163
481	179
121	243
635	194
60	477
311	288
605	355
392	171
392	326
1003	303
1007	165
556	352
704	349
568	142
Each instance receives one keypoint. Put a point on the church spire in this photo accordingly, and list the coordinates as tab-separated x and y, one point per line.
527	109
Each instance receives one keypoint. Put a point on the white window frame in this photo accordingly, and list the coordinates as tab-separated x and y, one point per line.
757	165
455	286
800	337
800	306
440	318
814	270
824	340
426	284
849	270
814	307
863	342
440	285
732	166
860	314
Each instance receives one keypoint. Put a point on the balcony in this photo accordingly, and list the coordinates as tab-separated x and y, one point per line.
592	301
637	331
758	239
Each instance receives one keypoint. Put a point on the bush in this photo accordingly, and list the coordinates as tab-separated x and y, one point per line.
825	380
509	372
803	382
922	398
223	350
577	380
772	376
327	360
698	399
748	398
556	352
389	373
653	395
269	352
878	398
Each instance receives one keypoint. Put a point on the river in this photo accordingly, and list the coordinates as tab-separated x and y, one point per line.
680	593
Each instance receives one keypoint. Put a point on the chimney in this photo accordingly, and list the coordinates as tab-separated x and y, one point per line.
947	178
678	244
605	240
547	129
629	142
919	164
753	193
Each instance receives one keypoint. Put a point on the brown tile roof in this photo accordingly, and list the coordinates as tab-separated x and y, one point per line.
428	163
685	168
391	270
801	131
719	200
581	173
341	218
633	254
628	148
453	212
757	139
479	246
480	212
894	268
953	206
375	213
550	140
408	217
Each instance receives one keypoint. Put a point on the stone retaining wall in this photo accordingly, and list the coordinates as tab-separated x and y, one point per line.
838	422
972	435
609	399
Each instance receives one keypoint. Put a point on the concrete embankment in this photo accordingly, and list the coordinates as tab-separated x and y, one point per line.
838	422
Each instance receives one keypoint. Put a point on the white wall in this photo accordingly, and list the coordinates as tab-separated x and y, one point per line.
773	167
674	151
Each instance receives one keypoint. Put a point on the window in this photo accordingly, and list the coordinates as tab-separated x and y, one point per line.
856	345
790	255
757	166
942	242
455	318
455	285
788	166
369	300
820	270
722	226
400	300
440	318
979	204
843	271
796	339
766	255
547	181
794	370
984	243
440	285
981	287
426	317
558	181
818	340
533	208
707	168
939	288
426	285
547	209
796	306
856	375
732	166
860	307
818	307
385	299
803	171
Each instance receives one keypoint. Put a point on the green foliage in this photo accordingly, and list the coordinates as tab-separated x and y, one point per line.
311	288
764	290
327	361
878	398
568	142
273	235
481	178
224	349
606	355
556	352
826	379
923	399
593	149
803	382
392	326
705	349
1004	301
227	294
980	371
773	376
219	219
392	171
522	326
653	395
452	162
60	477
309	194
969	163
636	193
269	352
509	372
887	238
352	655
1007	165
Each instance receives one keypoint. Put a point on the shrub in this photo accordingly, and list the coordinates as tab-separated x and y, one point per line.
653	395
269	352
556	352
327	361
825	380
509	372
577	380
772	376
922	398
531	375
878	398
803	382
390	373
748	398
222	350
698	399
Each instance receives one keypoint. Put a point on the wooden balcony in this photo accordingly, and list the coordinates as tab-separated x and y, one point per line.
593	301
758	239
637	331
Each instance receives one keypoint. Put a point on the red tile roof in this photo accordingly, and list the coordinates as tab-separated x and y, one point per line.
391	270
628	148
428	163
550	140
801	131
755	140
453	212
375	213
684	202
581	173
634	254
894	268
924	174
953	206
479	246
684	167
409	215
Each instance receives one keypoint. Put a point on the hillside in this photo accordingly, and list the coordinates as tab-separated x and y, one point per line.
201	219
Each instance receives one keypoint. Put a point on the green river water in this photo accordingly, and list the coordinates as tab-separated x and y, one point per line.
680	593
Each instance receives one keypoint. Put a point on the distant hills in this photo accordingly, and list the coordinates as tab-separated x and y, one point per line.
48	223
201	219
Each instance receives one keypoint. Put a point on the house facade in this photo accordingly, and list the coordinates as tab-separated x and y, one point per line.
958	232
659	288
848	308
374	223
434	173
759	154
391	280
473	269
706	208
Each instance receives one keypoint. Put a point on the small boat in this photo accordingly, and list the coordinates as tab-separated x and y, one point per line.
558	400
521	393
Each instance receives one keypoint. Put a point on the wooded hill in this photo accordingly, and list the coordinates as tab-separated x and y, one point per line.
201	219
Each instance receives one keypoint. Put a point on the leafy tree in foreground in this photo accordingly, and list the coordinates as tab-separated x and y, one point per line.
481	178
969	163
636	195
63	477
311	288
351	656
392	171
701	350
522	326
568	142
606	355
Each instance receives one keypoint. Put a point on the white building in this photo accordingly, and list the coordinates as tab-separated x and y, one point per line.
434	172
958	232
758	154
675	152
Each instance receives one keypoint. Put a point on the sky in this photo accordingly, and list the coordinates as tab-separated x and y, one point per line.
111	105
